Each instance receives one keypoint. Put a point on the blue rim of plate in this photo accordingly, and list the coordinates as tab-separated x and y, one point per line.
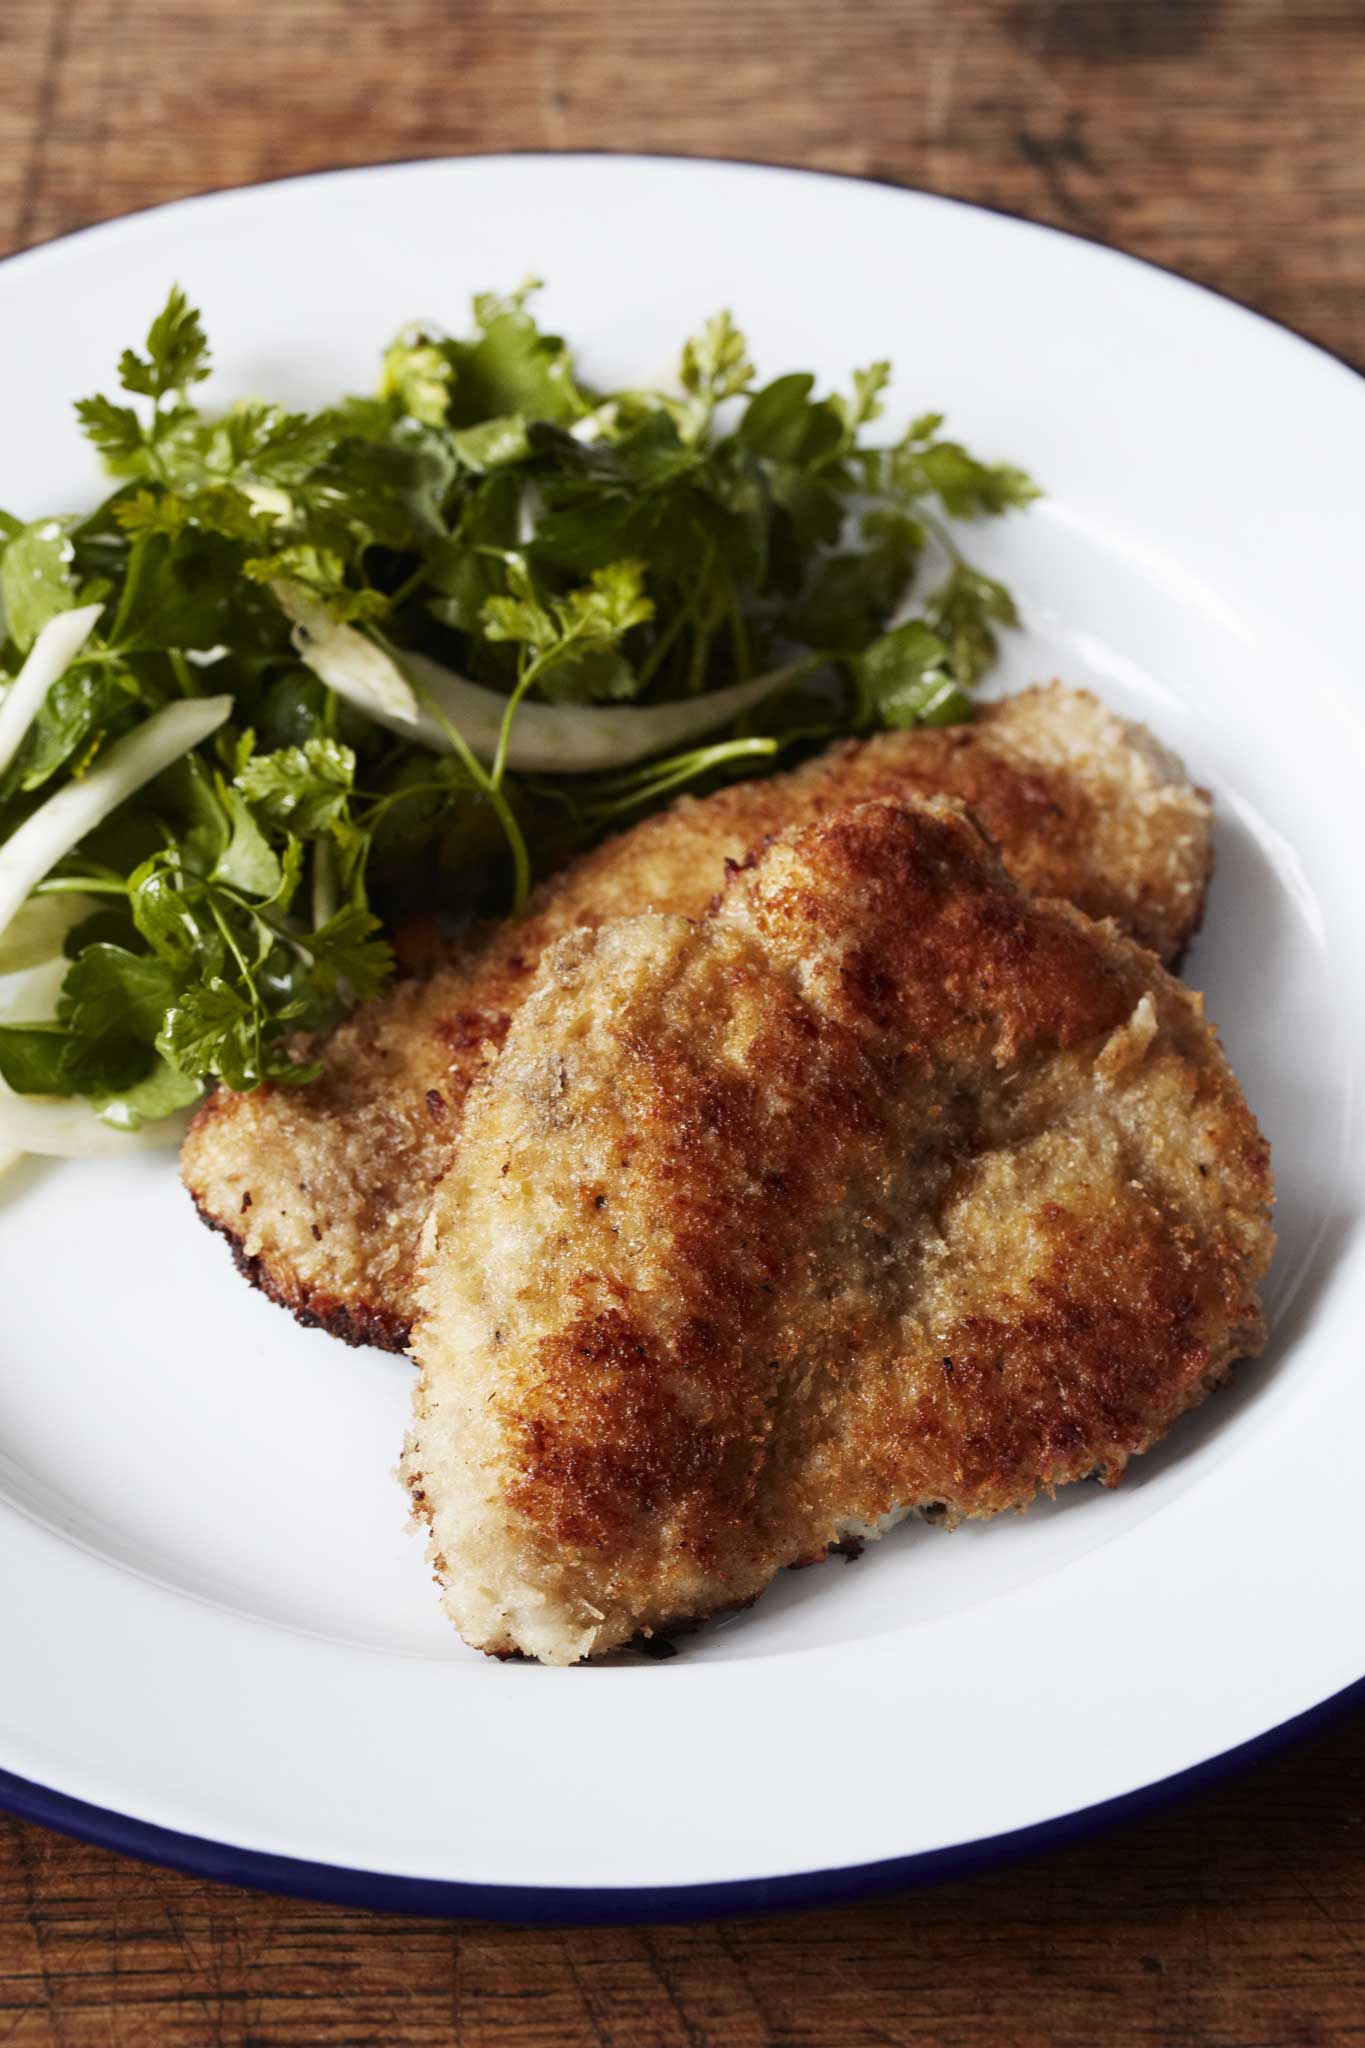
634	1906
545	1905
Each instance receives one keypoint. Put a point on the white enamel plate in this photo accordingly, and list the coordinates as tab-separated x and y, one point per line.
218	1644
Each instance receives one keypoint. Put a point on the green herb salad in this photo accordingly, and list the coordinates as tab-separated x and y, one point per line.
301	675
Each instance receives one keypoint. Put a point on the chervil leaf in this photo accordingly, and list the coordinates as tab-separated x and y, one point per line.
417	376
177	352
304	788
322	573
115	430
490	306
608	606
519	613
962	612
865	405
213	1029
715	366
346	949
273	446
219	509
562	633
716	361
920	466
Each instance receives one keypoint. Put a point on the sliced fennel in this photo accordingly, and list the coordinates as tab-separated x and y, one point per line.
50	656
564	739
63	821
36	931
66	1127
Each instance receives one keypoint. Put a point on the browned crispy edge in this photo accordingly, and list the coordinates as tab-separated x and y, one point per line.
662	1639
359	1325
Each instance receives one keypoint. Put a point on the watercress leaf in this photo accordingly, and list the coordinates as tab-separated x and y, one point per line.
511	367
169	908
587	531
774	421
814	507
185	591
247	862
35	579
161	1091
109	991
34	1059
110	924
850	597
782	423
493	444
390	490
81	705
903	679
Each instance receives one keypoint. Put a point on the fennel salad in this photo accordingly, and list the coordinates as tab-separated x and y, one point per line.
302	676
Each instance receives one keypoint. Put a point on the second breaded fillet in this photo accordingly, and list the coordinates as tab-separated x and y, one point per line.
883	1188
322	1190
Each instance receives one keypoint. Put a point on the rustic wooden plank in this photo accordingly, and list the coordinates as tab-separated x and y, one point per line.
1225	137
1236	1920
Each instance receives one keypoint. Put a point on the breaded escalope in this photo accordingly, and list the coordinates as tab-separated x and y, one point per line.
322	1189
883	1187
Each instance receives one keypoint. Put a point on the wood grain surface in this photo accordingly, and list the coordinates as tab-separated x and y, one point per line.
1224	137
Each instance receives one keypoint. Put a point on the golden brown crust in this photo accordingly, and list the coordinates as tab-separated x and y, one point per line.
884	1187
340	1172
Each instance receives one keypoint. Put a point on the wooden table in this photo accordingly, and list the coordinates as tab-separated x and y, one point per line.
1224	137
